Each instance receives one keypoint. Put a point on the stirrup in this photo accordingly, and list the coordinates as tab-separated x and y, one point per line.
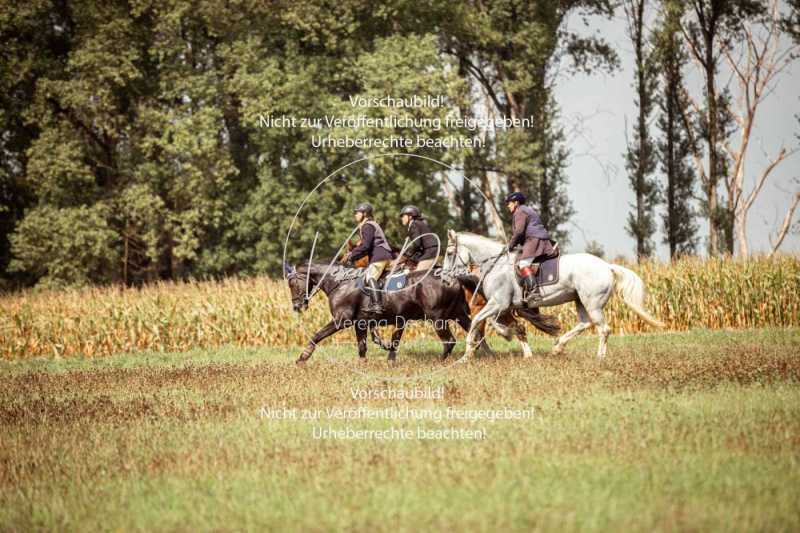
532	296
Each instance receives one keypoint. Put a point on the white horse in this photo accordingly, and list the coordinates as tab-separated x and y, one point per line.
583	278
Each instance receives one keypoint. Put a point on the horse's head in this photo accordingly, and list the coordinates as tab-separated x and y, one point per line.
455	256
297	287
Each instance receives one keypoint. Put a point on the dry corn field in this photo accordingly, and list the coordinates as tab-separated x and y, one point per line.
691	293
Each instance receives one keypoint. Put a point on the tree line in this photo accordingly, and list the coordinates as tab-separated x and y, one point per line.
131	151
738	50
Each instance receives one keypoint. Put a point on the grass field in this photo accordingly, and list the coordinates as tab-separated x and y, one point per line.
693	431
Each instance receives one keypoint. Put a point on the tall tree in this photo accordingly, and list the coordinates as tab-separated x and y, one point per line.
709	29
791	24
756	62
36	39
511	50
674	148
641	158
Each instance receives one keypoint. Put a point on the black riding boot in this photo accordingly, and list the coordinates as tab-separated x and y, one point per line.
375	297
531	288
532	293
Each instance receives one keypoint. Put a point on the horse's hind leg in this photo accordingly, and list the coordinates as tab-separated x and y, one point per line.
361	337
513	326
584	322
446	336
603	330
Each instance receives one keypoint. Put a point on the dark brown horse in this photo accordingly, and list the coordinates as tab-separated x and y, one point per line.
425	298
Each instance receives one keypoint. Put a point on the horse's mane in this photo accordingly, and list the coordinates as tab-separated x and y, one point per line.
337	270
480	237
470	234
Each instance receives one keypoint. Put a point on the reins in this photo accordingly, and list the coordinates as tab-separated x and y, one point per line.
484	271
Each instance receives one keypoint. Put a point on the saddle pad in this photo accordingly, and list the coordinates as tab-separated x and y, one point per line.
397	282
548	272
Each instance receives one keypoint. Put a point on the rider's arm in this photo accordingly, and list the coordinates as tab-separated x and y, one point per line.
519	223
367	235
413	245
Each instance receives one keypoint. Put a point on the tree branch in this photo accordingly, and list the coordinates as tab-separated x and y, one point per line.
787	223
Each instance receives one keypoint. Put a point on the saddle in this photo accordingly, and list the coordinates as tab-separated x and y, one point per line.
546	273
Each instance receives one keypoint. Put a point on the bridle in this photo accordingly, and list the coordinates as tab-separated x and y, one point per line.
294	274
453	249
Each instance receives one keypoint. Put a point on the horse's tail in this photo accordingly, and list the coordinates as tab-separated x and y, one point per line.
633	293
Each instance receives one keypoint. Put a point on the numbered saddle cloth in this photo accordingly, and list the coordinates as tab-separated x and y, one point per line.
396	282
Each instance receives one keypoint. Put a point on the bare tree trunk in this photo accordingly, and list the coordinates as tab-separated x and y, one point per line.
741	235
761	59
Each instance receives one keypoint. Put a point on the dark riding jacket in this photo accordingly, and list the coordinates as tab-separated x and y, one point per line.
373	244
526	224
424	247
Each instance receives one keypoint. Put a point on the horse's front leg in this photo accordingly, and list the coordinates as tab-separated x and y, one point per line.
522	337
376	338
397	334
492	308
327	330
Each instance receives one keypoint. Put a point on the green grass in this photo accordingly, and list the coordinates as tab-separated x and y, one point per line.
688	431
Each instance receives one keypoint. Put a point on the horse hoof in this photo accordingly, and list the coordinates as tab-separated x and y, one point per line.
557	350
300	361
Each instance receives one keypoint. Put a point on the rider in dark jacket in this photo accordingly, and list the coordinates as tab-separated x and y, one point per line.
422	247
374	245
537	246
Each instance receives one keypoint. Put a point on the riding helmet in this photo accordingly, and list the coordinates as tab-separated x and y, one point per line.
516	197
364	207
411	210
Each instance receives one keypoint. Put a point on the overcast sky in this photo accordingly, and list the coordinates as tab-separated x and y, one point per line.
596	110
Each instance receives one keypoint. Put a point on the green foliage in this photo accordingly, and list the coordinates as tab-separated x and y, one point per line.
511	51
675	146
640	158
66	246
144	118
710	28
